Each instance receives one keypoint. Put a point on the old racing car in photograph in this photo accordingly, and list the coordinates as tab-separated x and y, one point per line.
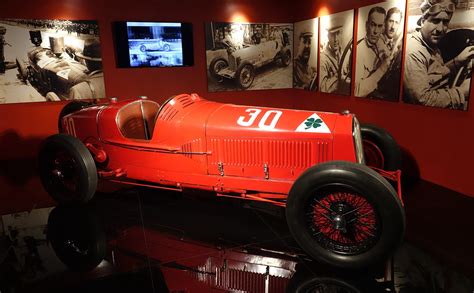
339	210
241	64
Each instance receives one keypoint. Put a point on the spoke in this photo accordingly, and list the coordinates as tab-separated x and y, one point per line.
366	232
361	216
326	216
350	212
323	206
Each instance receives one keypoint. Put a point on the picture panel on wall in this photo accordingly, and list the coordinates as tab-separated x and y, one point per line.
305	60
249	56
50	60
439	52
379	50
335	64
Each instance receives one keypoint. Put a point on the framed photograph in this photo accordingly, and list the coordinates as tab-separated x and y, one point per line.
335	64
249	56
50	60
439	53
379	50
305	61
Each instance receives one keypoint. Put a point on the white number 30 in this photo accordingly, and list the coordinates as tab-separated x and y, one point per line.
263	123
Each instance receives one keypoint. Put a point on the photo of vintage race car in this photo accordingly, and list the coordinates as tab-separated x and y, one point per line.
340	211
241	64
51	75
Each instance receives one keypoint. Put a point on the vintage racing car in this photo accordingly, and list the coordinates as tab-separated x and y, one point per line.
242	63
338	209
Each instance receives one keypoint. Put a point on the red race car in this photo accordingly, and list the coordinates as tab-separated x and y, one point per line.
339	210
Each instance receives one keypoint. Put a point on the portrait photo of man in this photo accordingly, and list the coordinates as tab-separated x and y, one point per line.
378	59
335	67
439	53
305	59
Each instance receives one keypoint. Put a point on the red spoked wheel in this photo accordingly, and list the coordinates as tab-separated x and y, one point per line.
345	215
373	155
344	222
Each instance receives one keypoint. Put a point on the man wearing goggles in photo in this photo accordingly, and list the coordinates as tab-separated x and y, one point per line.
428	78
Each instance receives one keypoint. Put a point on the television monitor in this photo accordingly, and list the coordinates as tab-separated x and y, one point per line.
153	44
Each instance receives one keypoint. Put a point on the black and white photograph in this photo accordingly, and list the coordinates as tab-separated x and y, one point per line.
439	53
50	60
249	56
379	50
335	64
305	61
155	44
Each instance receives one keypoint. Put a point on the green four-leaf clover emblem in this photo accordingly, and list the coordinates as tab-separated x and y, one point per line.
313	123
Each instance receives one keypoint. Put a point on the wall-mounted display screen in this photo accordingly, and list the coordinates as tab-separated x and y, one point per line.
153	44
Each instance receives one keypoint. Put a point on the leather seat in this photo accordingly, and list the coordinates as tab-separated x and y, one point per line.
137	119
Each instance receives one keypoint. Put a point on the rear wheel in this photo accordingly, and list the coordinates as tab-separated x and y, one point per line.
380	148
286	58
67	169
166	47
245	76
345	215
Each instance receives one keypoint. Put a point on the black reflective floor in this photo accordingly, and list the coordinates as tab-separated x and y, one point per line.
162	241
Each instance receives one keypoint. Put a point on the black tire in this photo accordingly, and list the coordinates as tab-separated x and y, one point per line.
22	70
67	170
322	284
70	107
245	75
380	148
285	58
143	48
345	215
166	47
77	237
216	65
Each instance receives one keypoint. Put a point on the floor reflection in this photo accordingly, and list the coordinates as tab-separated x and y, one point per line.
143	240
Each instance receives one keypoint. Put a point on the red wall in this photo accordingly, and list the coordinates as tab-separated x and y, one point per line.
438	139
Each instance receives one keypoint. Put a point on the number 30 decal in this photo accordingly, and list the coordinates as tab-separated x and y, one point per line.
264	123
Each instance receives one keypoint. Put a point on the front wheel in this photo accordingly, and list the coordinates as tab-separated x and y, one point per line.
22	71
217	65
67	169
345	215
77	237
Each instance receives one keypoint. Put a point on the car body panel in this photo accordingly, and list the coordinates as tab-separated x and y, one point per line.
201	144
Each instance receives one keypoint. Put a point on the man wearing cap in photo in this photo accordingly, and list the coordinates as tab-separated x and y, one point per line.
330	81
93	87
368	55
304	75
427	77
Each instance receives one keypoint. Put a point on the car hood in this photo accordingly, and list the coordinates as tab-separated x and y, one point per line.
248	121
